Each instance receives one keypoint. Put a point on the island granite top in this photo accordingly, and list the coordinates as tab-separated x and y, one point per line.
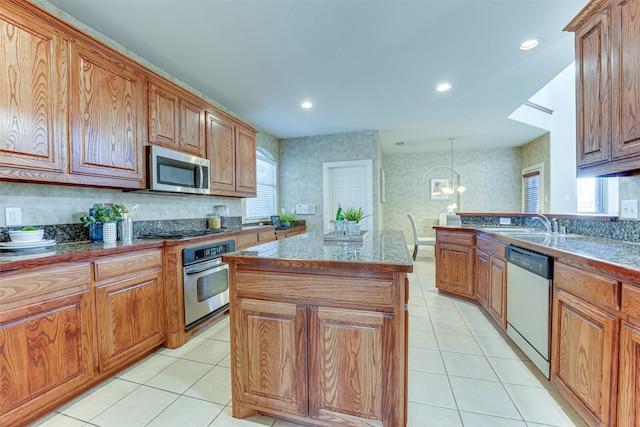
386	248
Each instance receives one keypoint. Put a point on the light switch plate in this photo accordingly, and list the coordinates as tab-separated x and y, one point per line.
629	209
505	221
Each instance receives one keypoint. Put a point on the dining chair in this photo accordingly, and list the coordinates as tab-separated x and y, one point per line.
419	241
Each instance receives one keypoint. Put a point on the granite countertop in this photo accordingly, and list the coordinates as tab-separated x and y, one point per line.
624	256
76	251
378	248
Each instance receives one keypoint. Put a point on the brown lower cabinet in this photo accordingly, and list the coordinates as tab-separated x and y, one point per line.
129	307
595	336
46	338
455	262
629	376
306	347
491	278
66	327
584	358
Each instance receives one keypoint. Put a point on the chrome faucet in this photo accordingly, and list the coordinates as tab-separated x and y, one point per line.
544	220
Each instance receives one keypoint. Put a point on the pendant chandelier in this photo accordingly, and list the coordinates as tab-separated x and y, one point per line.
453	187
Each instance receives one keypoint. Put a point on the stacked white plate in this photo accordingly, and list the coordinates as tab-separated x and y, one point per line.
25	246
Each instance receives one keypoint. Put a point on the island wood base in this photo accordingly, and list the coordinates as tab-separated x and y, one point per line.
319	343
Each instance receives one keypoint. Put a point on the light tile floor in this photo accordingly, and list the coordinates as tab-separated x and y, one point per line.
463	371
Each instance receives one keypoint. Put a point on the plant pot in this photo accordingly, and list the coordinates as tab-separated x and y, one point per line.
353	228
109	232
285	224
95	231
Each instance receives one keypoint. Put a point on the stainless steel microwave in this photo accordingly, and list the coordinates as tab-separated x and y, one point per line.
174	172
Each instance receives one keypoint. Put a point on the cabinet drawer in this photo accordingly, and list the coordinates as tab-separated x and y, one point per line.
123	266
59	280
316	289
631	303
592	287
491	247
245	240
456	238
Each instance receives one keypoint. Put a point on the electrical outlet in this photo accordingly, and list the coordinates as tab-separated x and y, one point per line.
629	209
505	221
13	216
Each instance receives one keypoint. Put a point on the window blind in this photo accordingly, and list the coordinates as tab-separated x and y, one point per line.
265	203
531	192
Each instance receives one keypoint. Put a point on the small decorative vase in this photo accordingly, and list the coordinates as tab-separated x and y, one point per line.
353	228
109	232
95	231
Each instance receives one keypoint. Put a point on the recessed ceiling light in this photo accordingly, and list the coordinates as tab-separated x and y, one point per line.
443	87
306	105
529	44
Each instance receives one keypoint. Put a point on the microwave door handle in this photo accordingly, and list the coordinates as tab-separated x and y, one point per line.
200	182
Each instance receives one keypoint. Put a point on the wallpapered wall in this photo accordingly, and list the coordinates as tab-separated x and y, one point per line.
539	151
491	178
300	169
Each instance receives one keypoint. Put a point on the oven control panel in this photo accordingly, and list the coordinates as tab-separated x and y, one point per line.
207	252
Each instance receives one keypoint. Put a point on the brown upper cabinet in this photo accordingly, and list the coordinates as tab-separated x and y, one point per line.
34	95
106	120
176	120
232	148
80	113
607	35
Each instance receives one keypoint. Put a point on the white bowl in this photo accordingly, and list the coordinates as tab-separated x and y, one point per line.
26	236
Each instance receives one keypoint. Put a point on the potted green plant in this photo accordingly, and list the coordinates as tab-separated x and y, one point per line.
286	220
352	214
102	222
353	217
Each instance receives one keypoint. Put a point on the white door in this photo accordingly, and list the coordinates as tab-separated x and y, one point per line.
351	185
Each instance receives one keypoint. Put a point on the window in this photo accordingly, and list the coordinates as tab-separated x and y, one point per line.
265	203
597	195
533	188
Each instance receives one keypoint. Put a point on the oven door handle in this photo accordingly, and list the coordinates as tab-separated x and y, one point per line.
209	267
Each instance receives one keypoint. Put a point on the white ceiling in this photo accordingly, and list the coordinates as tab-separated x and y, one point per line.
364	64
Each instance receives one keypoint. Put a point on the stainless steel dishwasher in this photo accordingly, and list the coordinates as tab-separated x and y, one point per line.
529	291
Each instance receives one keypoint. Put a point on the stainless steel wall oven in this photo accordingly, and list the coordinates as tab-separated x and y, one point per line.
206	281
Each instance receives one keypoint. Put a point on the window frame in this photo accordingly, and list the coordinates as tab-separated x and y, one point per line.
534	170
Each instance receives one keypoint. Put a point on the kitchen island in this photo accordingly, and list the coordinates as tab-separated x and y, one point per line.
319	330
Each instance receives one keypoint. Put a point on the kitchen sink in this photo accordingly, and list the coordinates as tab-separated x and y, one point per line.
515	231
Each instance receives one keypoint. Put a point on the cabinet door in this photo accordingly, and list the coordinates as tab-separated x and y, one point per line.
498	290
245	161
629	387
270	356
593	91
163	117
454	270
45	352
33	102
130	319
482	278
342	341
221	146
626	79
584	358
192	128
106	119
